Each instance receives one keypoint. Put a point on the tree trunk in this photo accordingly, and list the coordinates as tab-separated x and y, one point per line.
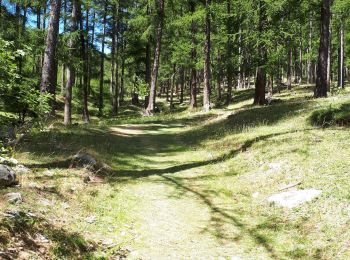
193	82
71	68
229	65
289	70
341	57
322	68
102	64
260	82
84	56
115	91
152	97
48	84
309	61
182	85
112	79
122	80
63	75
206	94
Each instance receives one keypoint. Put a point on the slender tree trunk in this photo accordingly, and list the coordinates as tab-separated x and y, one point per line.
309	61
84	56
182	84
48	84
193	83
341	57
102	64
173	82
71	68
322	68
63	69
218	76
329	64
240	71
115	91
229	68
112	79
122	80
260	82
206	94
148	63
300	60
152	97
289	70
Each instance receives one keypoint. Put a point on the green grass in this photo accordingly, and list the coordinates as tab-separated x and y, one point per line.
182	183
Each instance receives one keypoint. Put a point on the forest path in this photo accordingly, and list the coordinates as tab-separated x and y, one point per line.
175	220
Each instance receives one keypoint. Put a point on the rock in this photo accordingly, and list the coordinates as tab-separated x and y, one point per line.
2	160
49	173
294	198
87	179
255	195
84	160
21	169
91	219
14	198
65	205
7	176
12	161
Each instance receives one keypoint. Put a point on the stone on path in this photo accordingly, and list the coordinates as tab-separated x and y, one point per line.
14	197
84	160
7	176
294	198
21	169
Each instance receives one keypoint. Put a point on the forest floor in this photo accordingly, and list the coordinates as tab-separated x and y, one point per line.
186	185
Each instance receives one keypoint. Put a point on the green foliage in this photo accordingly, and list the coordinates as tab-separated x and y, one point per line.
18	94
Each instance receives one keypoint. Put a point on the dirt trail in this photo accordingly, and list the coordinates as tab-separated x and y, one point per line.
172	226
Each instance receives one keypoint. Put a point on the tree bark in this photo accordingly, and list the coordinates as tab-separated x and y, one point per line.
48	84
84	56
229	65
102	64
182	85
290	64
193	82
322	68
206	94
152	97
309	61
71	68
341	57
260	82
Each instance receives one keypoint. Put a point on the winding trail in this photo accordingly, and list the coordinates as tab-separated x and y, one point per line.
175	220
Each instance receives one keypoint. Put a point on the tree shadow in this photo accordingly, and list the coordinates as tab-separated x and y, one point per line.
35	234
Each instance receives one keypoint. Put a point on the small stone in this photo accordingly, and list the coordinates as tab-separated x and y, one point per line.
41	238
21	169
65	205
255	195
91	219
12	161
84	160
87	179
46	203
49	173
14	198
33	185
294	198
